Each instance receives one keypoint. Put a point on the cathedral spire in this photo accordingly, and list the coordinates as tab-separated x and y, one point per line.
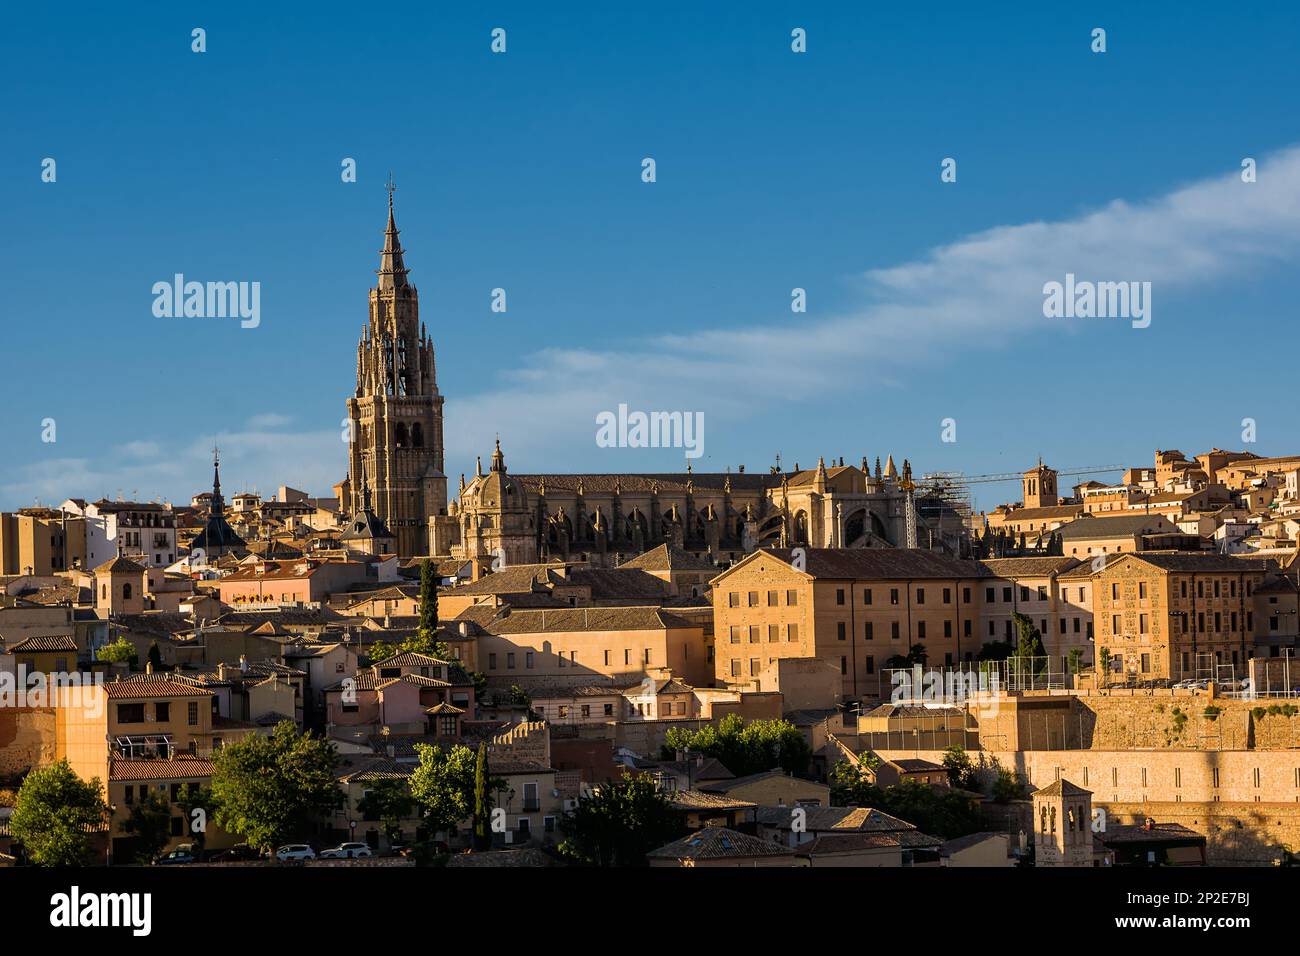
218	504
392	270
498	459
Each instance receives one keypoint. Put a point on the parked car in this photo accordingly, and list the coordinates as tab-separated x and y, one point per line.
295	851
346	851
239	853
182	854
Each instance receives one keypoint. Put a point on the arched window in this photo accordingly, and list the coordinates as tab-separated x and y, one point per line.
417	435
401	434
126	592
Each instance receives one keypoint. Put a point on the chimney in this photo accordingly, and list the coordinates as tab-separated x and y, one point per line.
148	667
221	671
243	664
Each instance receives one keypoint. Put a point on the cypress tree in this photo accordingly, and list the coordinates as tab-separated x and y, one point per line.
428	600
482	811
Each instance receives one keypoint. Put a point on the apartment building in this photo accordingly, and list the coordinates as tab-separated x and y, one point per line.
1174	614
854	608
1034	587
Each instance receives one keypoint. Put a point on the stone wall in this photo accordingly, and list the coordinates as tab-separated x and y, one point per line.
26	741
1156	720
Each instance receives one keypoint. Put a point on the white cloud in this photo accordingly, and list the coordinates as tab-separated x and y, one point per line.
978	292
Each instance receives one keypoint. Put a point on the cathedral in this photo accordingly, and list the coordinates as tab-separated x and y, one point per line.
504	519
396	490
395	459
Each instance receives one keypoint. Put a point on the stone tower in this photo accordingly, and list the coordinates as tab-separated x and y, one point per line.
395	417
1063	825
1040	487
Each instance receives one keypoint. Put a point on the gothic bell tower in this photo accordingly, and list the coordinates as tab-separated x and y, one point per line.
395	417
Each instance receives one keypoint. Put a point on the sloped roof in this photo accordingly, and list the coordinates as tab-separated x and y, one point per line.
668	557
1062	788
718	843
879	563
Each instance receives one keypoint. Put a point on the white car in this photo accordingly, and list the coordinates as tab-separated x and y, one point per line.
295	851
346	851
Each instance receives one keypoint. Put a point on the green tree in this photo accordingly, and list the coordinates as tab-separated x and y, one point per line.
1104	659
443	785
269	789
196	824
1008	786
482	805
744	748
150	823
1029	658
419	643
56	814
428	600
850	788
120	651
1076	660
958	764
390	802
618	823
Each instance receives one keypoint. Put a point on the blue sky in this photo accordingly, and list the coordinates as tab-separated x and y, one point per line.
522	171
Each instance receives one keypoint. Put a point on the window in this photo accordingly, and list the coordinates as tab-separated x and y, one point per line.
920	595
1142	589
753	633
510	661
840	627
792	597
947	628
844	664
773	632
128	795
162	712
893	595
869	631
871	664
773	598
130	713
866	595
1006	595
192	713
753	666
735	635
947	595
893	630
733	599
528	660
753	599
607	658
920	630
965	595
1114	591
839	595
609	710
989	595
735	667
792	632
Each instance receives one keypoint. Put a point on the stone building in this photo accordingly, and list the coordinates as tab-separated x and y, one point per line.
395	416
504	519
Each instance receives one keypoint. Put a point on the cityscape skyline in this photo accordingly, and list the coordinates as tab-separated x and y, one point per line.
670	295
